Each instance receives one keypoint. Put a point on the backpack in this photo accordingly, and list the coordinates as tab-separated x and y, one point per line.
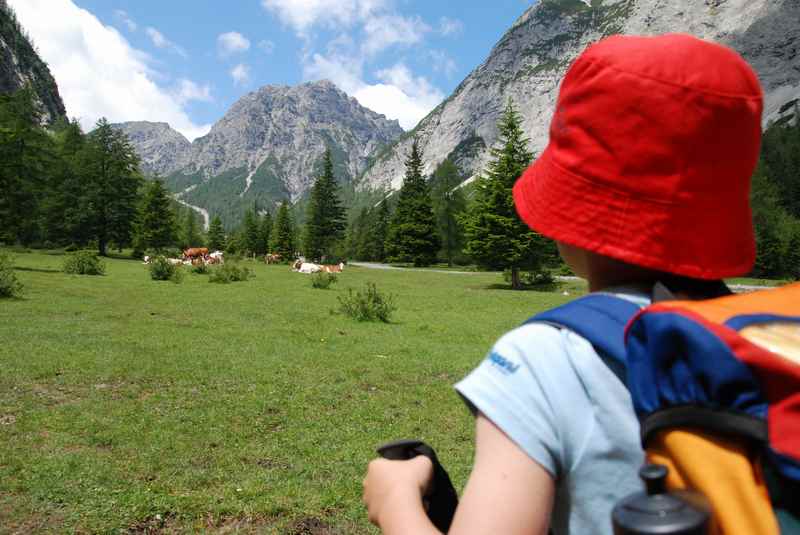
716	387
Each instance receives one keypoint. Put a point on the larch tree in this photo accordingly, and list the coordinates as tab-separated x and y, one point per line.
412	235
155	224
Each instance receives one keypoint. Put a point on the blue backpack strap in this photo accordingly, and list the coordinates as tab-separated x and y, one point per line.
600	319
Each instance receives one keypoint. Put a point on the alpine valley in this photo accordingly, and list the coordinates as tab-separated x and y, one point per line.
269	145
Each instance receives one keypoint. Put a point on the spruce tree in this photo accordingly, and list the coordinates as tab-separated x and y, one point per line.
265	233
251	233
155	224
412	232
216	235
378	232
495	236
448	204
283	233
325	222
191	236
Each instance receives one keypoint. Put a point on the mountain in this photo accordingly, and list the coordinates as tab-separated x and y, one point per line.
161	149
20	65
529	61
268	147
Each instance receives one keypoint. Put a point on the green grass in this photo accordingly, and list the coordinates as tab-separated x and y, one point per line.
129	404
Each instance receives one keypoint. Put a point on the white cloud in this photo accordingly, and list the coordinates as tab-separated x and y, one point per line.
123	17
188	91
159	41
448	26
387	30
98	73
232	43
303	14
267	46
240	74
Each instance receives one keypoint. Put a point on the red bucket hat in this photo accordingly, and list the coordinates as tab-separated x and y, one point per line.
651	149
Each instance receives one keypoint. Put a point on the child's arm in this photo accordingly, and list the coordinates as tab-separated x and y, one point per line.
507	491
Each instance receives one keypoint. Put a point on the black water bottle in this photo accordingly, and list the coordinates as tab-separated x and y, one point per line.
657	511
442	497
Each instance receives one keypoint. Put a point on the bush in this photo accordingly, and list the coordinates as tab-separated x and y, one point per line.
543	280
84	263
71	248
367	305
9	285
322	280
162	270
229	272
201	268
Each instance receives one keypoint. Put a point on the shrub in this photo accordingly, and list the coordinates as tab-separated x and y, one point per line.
162	270
71	248
84	263
9	285
201	268
322	280
229	272
367	305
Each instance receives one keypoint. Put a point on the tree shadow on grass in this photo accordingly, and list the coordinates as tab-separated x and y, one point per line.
36	270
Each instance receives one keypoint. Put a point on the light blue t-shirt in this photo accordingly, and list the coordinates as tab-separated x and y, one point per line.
550	392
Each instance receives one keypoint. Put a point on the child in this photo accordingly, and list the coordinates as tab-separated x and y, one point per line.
645	179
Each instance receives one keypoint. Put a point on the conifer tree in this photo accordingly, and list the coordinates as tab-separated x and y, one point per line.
412	233
448	204
265	233
216	234
251	233
283	233
25	160
65	216
111	168
191	230
378	232
325	222
495	236
155	224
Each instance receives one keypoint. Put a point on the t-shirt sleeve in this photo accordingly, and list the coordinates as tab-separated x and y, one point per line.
528	388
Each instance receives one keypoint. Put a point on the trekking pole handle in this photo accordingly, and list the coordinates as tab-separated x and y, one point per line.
442	497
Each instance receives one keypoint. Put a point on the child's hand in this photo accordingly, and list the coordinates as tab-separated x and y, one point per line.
395	486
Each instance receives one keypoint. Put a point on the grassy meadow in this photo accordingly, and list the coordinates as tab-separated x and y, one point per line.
134	406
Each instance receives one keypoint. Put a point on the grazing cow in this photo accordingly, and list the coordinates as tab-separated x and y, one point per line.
195	252
273	258
217	257
333	268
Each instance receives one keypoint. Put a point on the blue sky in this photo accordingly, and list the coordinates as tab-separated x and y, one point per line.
186	61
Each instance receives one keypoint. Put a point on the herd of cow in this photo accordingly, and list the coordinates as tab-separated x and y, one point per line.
200	255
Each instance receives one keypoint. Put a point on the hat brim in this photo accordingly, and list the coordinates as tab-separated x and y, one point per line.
597	217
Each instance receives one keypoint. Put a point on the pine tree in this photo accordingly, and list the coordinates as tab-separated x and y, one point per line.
448	204
216	235
283	233
325	222
265	233
155	224
412	232
495	237
792	257
65	214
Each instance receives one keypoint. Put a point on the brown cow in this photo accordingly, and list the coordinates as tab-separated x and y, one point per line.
332	268
195	252
273	258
